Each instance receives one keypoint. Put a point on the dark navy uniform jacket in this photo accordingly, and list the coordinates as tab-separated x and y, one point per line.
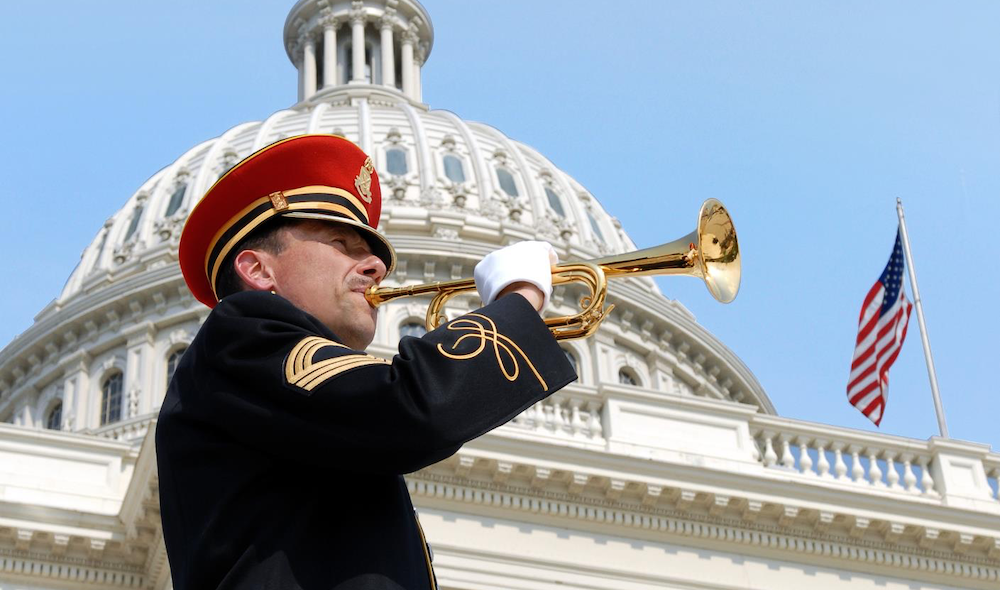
281	451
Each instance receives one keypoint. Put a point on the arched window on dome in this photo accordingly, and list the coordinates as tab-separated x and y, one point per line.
395	161
172	361
507	181
453	168
176	198
111	399
628	377
53	420
594	226
412	327
555	202
133	224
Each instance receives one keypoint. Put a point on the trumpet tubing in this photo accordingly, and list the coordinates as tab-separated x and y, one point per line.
710	252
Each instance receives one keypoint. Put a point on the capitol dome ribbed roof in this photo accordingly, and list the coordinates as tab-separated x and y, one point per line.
463	170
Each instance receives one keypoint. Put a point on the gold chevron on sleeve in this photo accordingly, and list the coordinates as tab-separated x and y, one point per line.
301	371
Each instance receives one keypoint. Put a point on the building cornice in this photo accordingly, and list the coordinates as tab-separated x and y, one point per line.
589	479
554	487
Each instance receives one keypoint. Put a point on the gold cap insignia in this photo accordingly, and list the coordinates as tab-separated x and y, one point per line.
364	180
278	201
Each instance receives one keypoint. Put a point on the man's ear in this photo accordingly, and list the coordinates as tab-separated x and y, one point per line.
254	267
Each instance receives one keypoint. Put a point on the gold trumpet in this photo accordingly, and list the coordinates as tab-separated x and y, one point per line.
710	252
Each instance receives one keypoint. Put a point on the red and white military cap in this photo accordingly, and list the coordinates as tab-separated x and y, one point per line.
323	177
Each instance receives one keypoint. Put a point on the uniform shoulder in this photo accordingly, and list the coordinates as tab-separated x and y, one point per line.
254	307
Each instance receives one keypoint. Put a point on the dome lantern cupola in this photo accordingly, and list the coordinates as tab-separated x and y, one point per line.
358	47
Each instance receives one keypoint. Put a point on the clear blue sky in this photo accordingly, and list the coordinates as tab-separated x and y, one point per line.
807	119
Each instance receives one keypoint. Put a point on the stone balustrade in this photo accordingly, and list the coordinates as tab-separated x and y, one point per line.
733	437
132	430
952	472
846	456
569	414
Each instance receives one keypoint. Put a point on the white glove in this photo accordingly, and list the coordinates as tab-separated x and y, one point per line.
529	262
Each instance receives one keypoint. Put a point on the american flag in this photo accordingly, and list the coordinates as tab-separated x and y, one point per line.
881	331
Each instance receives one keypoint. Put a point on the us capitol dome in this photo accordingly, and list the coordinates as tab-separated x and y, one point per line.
453	191
666	445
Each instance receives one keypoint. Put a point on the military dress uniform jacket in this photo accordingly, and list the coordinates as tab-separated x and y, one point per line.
281	451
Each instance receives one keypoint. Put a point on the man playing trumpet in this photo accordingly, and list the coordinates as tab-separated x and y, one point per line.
281	444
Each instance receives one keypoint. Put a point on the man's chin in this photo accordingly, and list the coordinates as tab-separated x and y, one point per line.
367	333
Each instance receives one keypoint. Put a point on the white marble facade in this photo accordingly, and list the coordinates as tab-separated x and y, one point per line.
664	466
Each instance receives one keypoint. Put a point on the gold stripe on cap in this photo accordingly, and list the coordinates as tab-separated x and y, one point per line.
280	204
314	189
217	264
214	271
229	224
330	190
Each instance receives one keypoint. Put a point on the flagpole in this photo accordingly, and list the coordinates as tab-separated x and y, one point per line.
920	318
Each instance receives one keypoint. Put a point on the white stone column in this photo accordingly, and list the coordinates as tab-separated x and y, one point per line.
406	55
357	43
602	350
23	416
388	58
298	66
76	385
330	51
418	62
136	386
69	405
297	58
309	67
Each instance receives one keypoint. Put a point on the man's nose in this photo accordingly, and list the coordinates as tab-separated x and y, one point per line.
372	267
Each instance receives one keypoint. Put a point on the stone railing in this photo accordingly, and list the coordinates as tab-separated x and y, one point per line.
569	414
132	430
728	437
846	456
952	472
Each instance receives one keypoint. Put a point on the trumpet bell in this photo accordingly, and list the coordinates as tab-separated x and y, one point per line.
720	251
711	252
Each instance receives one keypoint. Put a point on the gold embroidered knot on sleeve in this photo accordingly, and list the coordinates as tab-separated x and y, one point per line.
303	372
483	333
